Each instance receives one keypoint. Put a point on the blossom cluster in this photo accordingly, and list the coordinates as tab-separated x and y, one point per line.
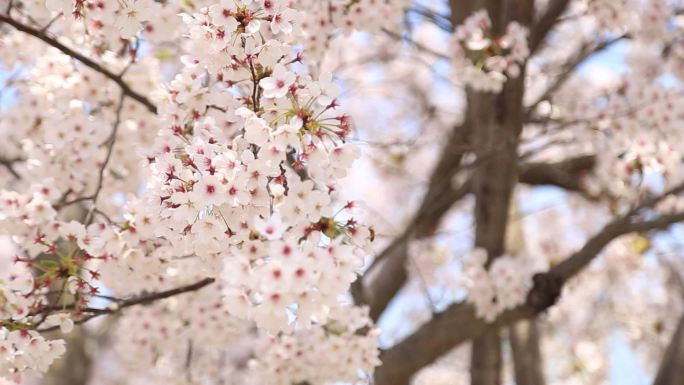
245	169
336	349
240	183
128	15
219	346
502	286
613	15
648	20
158	22
25	301
22	352
25	352
181	338
635	134
485	61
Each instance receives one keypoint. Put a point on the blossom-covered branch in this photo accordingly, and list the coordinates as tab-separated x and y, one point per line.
118	305
387	274
459	322
43	35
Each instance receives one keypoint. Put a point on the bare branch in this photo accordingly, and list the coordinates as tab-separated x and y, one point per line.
416	44
441	21
118	79
566	174
437	200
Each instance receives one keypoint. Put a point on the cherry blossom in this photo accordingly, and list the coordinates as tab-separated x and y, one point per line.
271	191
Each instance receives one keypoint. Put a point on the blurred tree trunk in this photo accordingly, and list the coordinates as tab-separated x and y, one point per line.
527	358
485	361
671	370
524	336
74	367
498	121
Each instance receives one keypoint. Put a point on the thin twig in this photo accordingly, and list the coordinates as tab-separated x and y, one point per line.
143	299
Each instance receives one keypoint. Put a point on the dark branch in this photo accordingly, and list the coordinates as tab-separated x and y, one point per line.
458	323
143	299
388	275
118	79
546	22
566	174
9	165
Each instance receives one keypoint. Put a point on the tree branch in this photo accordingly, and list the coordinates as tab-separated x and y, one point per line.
458	323
545	23
387	275
116	78
566	174
143	299
9	165
436	200
588	50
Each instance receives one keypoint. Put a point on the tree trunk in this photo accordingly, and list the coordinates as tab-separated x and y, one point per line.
485	360
671	371
524	336
73	368
496	134
527	359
